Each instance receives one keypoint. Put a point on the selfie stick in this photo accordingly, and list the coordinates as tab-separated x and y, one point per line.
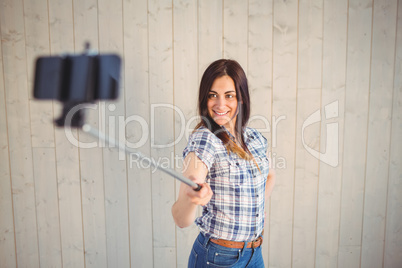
84	78
95	133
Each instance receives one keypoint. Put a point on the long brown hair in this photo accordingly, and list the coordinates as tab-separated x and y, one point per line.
232	69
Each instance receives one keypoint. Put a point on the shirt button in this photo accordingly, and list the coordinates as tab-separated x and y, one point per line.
257	215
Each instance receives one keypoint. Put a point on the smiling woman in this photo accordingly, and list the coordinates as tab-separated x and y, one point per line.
229	160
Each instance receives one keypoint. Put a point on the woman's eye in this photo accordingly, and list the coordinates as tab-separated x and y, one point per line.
229	96
212	96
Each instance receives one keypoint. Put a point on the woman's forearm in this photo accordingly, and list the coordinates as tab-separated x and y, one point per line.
184	212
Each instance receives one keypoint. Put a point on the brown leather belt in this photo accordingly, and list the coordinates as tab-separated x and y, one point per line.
233	244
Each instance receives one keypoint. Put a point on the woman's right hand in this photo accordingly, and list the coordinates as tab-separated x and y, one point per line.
201	197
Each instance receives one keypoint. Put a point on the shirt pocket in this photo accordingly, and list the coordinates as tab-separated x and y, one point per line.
263	164
239	171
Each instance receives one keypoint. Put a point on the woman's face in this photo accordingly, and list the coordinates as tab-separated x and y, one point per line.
222	102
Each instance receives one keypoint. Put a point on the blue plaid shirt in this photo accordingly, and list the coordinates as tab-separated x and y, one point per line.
236	210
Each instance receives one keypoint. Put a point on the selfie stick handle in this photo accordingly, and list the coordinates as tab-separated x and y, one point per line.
97	134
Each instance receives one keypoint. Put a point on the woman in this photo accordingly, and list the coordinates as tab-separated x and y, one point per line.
229	161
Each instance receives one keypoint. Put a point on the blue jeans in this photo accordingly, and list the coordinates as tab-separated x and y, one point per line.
208	254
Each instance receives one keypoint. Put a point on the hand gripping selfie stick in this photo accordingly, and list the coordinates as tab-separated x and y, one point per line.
85	78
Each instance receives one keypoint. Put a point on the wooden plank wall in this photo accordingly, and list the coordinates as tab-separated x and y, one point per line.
326	88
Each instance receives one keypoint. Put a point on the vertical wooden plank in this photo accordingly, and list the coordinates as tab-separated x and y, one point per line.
283	142
114	162
19	132
92	185
37	44
235	31
47	207
67	155
355	131
333	91
42	135
393	226
307	132
7	231
379	132
162	128
210	33
306	179
137	130
185	100
260	81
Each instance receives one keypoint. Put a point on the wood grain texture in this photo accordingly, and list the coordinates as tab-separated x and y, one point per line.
47	207
393	236
61	205
61	32
333	90
162	128
210	33
19	133
284	111
185	28
379	133
137	131
355	131
260	17
114	161
7	230
307	132
235	31
91	159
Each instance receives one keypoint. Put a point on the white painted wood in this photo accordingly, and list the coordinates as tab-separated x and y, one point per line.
235	31
19	133
47	207
91	160
333	90
379	133
260	82
186	85
69	186
310	44
44	163
162	128
306	179
210	33
37	44
283	146
307	134
114	162
355	131
67	155
110	212
393	225
7	231
137	131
